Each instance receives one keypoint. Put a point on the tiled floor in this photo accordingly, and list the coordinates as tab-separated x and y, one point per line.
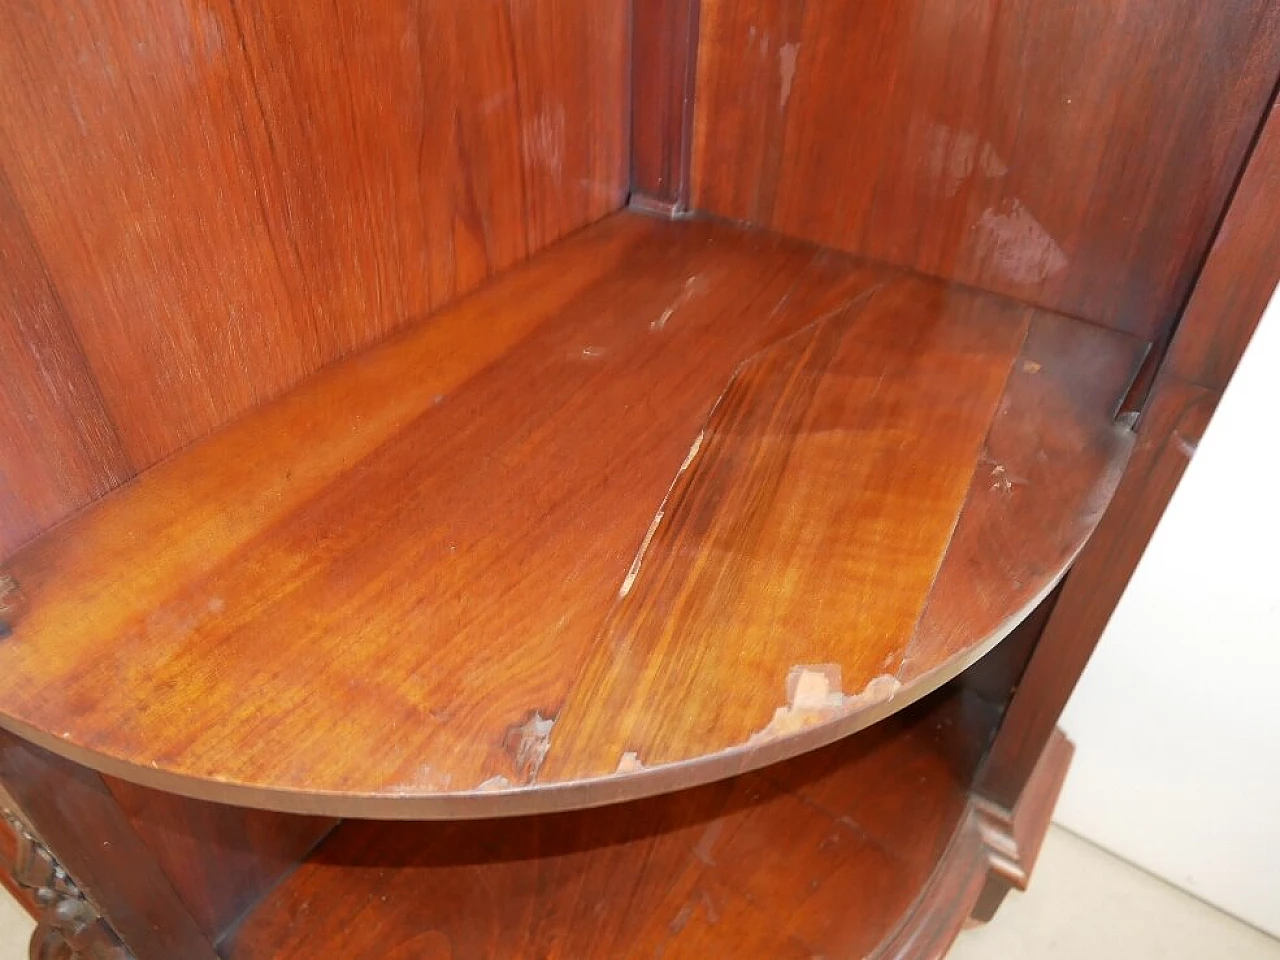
1083	905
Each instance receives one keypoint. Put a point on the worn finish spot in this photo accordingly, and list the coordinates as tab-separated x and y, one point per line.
494	784
630	579
952	157
1030	366
814	696
630	763
692	287
1004	481
11	596
788	53
707	843
1017	246
544	140
528	744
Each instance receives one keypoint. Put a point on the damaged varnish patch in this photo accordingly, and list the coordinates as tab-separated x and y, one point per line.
815	696
528	744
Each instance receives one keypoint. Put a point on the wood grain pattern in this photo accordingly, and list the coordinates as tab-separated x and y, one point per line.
1011	543
664	38
71	811
428	539
58	449
1239	276
231	195
1025	148
782	544
809	860
1225	307
1171	427
220	860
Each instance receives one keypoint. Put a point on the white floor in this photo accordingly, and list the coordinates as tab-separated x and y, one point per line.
15	928
1083	905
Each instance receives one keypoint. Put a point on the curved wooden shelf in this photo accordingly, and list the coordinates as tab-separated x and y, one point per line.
670	502
870	847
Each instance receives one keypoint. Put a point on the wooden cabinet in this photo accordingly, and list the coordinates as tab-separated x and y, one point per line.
589	479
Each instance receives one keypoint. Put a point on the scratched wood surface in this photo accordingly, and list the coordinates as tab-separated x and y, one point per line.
807	858
1075	155
223	197
665	504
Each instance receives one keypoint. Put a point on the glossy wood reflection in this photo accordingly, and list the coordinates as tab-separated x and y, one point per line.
449	540
228	196
1026	148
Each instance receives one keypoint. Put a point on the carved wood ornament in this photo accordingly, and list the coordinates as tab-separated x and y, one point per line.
69	926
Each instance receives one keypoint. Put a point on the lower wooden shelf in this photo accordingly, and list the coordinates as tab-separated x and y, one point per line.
872	846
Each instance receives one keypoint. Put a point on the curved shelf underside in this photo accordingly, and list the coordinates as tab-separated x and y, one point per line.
668	503
867	848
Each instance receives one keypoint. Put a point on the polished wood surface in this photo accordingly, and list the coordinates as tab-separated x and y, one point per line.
211	202
820	856
664	36
662	506
1228	301
1075	155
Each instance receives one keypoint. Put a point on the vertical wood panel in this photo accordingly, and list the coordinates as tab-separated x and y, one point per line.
1240	275
1073	155
221	860
229	195
664	36
1224	309
58	450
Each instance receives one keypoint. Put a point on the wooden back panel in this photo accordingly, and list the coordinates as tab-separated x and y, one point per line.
1074	155
202	204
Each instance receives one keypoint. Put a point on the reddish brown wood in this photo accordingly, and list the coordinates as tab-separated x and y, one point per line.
1022	147
58	449
1013	836
221	860
1006	843
1171	428
996	676
664	42
1223	311
1011	532
820	856
228	196
470	537
69	926
1240	275
75	815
